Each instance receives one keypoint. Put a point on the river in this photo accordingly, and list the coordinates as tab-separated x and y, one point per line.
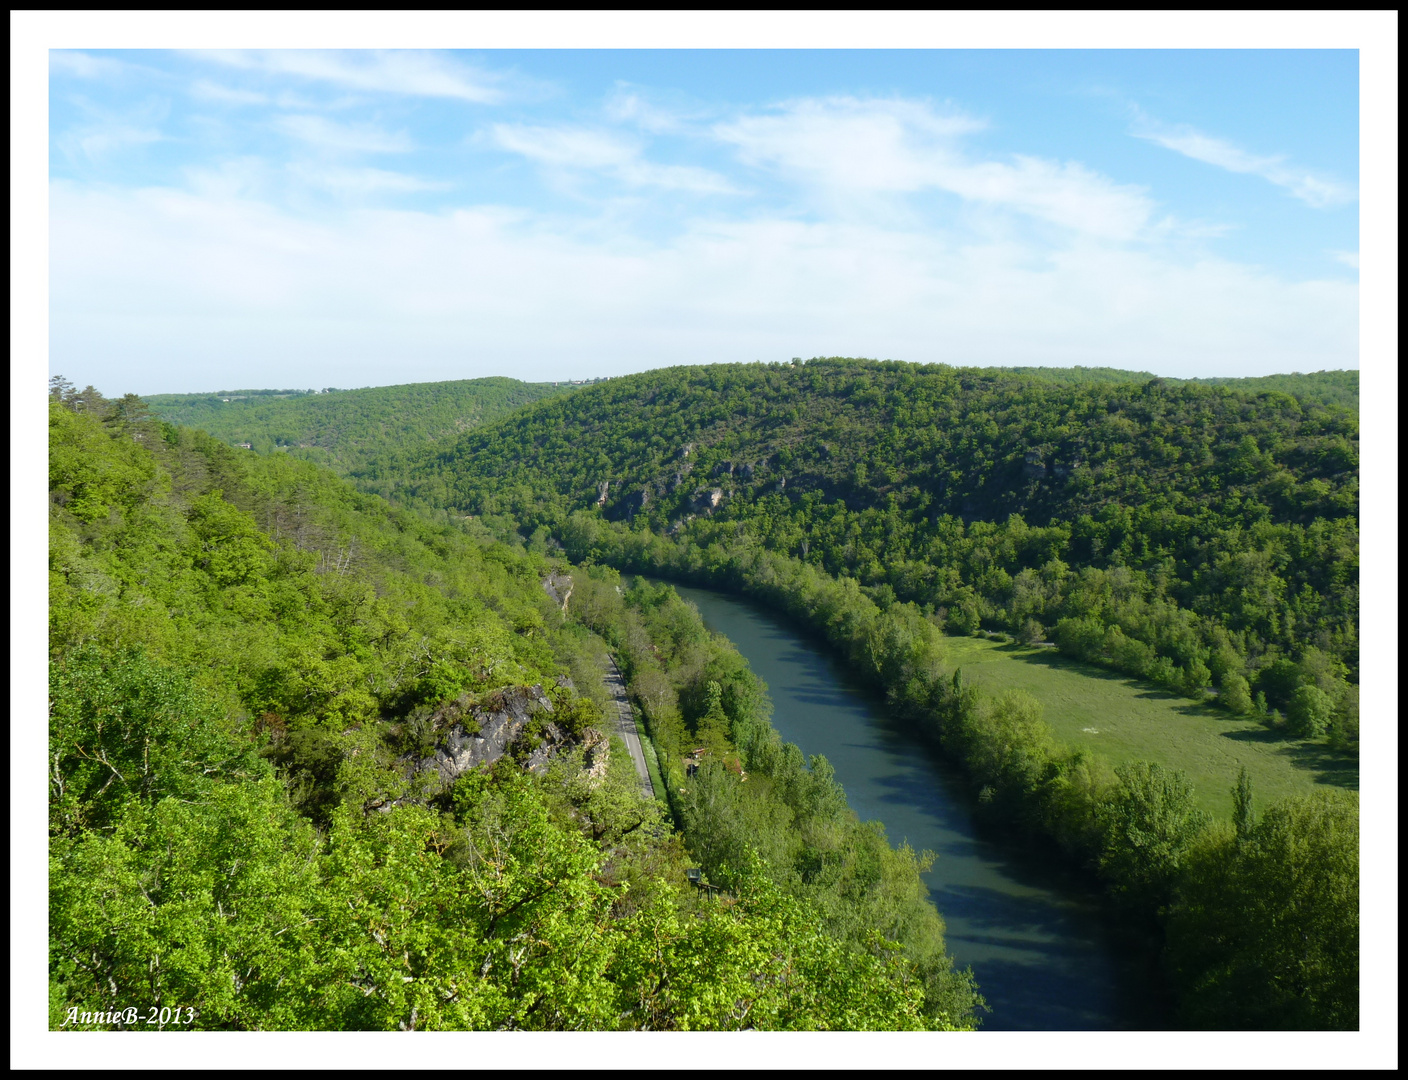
1036	935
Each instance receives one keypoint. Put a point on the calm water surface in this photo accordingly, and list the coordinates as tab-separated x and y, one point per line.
1035	936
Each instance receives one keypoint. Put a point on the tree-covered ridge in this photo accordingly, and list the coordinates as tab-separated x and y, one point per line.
245	653
1323	387
344	428
1202	534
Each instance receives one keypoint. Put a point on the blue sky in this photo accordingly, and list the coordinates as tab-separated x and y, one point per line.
288	218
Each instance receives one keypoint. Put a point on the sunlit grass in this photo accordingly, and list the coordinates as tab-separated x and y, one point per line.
1123	719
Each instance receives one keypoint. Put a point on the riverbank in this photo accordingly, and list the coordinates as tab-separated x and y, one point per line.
1039	936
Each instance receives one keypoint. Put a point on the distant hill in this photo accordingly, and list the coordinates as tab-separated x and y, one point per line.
1325	387
344	428
1226	518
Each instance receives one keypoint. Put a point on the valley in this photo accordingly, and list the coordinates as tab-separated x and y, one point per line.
350	583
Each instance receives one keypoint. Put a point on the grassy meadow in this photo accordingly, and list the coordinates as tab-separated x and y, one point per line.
1122	718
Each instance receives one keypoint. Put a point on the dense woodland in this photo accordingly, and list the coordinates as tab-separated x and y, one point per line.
245	652
299	632
1199	537
344	428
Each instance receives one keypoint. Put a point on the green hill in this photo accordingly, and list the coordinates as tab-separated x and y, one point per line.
1320	387
319	763
344	428
1215	529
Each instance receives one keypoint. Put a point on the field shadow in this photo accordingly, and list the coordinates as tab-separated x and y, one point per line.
1333	768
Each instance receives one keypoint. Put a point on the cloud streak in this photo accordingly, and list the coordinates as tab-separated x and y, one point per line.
574	149
416	74
1309	187
878	147
331	135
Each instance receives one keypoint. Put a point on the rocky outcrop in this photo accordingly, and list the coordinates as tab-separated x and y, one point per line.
707	500
477	732
559	589
601	492
596	756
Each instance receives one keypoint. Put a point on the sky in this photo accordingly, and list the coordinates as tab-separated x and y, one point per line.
293	218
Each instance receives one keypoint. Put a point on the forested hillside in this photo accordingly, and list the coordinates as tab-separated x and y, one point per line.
1195	536
259	817
1319	387
344	428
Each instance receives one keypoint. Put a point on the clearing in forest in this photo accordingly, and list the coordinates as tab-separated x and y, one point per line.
1124	719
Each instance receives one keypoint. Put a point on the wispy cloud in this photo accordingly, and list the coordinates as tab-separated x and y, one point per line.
328	134
632	105
1349	258
898	146
1309	187
420	74
576	149
205	90
148	274
83	66
103	143
358	182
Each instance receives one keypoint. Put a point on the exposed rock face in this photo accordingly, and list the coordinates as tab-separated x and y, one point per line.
633	503
596	757
1032	466
559	589
708	500
482	732
601	490
723	468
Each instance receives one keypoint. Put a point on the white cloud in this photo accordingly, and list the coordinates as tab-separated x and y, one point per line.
226	95
628	106
583	149
83	66
422	74
1349	258
362	182
328	134
901	147
166	283
101	141
1307	186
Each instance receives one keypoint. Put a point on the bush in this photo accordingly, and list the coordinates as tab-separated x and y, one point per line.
1311	712
1235	695
1149	821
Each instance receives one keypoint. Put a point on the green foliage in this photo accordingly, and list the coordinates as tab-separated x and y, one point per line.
349	430
755	798
1150	822
1264	929
1181	519
124	729
1243	813
282	872
1311	712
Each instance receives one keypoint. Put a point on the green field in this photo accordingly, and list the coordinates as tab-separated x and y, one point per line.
1122	719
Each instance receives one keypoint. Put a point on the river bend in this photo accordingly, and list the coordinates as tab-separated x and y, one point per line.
1035	934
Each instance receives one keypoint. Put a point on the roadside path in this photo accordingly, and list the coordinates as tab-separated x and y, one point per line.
626	724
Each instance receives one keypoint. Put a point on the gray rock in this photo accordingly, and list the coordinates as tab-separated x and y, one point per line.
479	733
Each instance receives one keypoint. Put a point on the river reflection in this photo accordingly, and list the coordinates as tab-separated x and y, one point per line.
1035	936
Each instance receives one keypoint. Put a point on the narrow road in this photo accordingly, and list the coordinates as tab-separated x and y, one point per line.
626	724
